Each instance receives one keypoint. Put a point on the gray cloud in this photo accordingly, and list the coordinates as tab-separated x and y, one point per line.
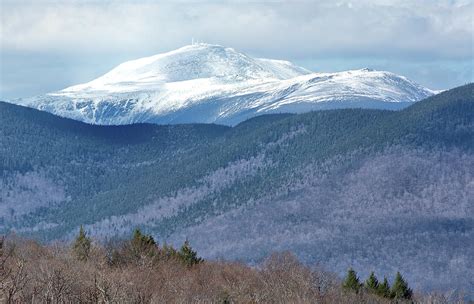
425	31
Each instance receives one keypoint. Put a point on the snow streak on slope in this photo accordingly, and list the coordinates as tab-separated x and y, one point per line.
211	83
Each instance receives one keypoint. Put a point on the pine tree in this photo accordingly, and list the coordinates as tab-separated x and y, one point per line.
372	284
188	255
82	245
351	282
383	289
140	239
400	288
142	245
168	252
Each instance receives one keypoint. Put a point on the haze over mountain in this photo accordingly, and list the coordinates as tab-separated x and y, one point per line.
373	189
204	83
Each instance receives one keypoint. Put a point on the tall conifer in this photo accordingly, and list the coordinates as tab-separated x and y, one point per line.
351	282
383	289
400	288
372	284
82	245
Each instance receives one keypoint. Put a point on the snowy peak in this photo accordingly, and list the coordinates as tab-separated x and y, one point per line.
206	83
191	62
369	83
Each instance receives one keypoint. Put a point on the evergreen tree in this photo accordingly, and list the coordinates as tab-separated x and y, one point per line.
383	289
142	244
169	252
372	284
82	245
140	239
188	255
400	288
351	282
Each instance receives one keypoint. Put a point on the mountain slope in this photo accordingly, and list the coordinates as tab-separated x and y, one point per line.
379	190
213	84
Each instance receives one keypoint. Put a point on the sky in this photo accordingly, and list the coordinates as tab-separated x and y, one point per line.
49	45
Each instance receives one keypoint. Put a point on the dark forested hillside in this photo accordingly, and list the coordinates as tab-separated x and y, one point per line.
378	190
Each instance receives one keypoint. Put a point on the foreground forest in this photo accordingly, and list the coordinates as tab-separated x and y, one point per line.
139	270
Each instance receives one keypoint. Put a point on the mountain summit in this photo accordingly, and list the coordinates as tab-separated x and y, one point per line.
192	62
214	84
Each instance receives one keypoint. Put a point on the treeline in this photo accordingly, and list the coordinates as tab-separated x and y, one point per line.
399	290
140	248
139	270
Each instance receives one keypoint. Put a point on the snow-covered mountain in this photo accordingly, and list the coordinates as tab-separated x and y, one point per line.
211	83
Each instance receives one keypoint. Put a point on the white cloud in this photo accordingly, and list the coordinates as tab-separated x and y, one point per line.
49	44
291	28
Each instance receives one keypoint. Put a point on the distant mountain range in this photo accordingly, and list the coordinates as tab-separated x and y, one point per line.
203	83
373	189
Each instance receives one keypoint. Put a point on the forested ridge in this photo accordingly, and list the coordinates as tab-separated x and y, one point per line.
339	187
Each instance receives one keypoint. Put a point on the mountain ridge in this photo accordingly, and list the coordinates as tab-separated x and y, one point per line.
214	84
373	189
